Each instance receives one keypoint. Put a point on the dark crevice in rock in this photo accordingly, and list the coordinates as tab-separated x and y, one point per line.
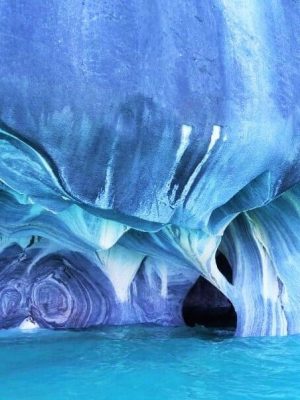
206	305
224	266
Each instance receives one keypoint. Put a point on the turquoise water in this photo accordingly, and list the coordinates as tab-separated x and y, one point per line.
141	363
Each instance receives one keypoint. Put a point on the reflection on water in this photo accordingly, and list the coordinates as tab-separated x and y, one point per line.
147	362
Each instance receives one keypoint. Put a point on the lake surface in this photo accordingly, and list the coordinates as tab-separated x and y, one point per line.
146	362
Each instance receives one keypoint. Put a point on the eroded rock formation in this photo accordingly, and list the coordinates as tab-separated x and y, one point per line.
137	139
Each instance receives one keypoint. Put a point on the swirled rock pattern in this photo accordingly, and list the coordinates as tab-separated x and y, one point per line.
137	139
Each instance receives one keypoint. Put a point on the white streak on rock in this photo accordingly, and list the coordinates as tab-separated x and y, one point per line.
186	131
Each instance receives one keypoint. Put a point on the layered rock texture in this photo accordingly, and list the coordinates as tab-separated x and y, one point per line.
138	139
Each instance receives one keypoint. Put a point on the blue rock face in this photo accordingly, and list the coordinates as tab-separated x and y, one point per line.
136	140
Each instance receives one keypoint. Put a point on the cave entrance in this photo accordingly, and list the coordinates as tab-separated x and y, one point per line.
205	305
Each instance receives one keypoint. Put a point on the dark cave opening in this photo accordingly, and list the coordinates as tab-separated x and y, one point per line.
205	305
224	266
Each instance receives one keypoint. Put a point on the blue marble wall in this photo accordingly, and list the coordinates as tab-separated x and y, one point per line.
138	137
